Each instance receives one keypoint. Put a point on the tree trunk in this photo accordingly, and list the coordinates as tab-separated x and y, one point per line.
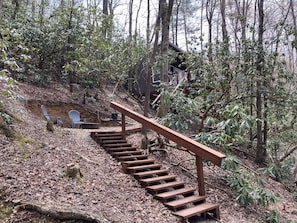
150	58
136	20
261	152
201	25
1	4
226	88
41	12
130	18
105	12
16	8
185	26
68	48
176	21
130	74
294	43
210	7
166	11
242	11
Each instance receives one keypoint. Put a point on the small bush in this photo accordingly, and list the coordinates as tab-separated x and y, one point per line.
247	186
40	80
280	171
272	217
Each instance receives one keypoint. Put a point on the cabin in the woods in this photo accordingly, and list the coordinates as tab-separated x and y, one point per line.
177	72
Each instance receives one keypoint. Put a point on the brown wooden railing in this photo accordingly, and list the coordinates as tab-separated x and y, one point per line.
201	152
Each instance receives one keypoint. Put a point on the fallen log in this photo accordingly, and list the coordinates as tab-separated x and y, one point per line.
61	214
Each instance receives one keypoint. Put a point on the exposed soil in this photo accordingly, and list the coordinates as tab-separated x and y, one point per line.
32	172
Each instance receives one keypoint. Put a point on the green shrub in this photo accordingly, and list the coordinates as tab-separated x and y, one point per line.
272	217
247	186
183	112
280	171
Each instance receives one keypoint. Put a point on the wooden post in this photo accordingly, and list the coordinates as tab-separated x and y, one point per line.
200	176
123	126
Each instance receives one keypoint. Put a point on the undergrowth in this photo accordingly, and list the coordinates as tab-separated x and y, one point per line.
248	186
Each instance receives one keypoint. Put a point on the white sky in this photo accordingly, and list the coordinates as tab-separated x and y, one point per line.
122	17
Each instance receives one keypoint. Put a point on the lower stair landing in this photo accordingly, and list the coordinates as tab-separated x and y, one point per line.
182	200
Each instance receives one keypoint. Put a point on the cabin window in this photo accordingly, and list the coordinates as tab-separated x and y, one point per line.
156	77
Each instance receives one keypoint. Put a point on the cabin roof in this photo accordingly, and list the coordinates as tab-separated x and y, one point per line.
175	48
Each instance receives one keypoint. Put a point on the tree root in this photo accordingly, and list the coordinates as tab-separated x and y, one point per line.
61	214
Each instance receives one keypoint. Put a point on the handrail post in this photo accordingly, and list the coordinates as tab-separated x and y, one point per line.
123	126
200	176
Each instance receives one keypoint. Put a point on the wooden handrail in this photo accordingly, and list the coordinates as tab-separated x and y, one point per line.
198	149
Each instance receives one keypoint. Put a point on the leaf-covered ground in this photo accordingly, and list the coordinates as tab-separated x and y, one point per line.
32	171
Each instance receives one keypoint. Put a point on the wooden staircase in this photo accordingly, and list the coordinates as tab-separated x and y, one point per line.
173	193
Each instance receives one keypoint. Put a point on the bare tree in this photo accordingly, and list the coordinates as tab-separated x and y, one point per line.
242	11
226	87
62	3
136	19
242	8
16	8
166	12
1	4
176	21
41	12
69	42
294	43
201	24
130	17
150	58
210	8
261	151
105	12
130	74
184	7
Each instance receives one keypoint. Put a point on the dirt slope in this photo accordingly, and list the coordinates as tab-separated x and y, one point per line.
33	171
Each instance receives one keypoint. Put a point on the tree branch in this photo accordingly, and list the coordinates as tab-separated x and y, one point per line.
61	214
288	154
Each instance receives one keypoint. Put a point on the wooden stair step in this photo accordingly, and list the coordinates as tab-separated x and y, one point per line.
132	157
106	134
132	169
138	162
113	145
141	175
120	149
199	209
156	188
125	153
115	137
174	205
104	138
113	141
151	180
173	193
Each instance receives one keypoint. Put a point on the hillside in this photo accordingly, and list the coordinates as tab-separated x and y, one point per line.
32	178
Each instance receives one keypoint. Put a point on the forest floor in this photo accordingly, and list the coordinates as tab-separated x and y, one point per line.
32	172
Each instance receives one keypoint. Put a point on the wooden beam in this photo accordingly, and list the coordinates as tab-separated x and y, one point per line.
123	126
197	148
200	176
